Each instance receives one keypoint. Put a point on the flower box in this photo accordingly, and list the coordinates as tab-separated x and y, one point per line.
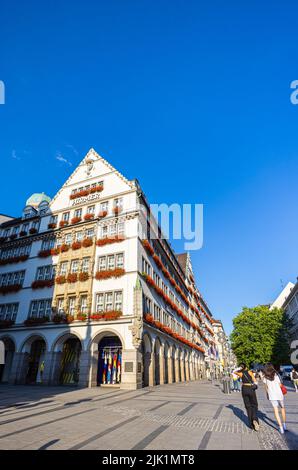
36	321
22	233
88	216
13	288
76	220
64	248
42	283
82	317
87	242
68	318
102	214
76	245
148	247
51	225
6	323
44	253
32	231
83	277
57	318
13	236
14	259
117	210
55	251
72	277
63	223
60	279
3	239
100	275
107	241
111	315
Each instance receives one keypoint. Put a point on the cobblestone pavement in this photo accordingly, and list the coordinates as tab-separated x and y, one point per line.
184	416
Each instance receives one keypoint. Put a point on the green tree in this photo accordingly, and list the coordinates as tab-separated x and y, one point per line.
261	335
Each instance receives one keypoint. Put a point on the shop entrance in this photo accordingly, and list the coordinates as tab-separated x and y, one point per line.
36	362
70	362
109	361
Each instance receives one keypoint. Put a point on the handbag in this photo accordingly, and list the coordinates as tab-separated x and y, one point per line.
283	389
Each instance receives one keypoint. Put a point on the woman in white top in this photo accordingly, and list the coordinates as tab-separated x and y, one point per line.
273	387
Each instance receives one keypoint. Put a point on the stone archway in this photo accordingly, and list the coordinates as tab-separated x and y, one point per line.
167	373
173	363
9	351
32	364
158	357
66	360
106	359
148	361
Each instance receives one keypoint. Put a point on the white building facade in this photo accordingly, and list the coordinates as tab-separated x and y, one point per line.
89	297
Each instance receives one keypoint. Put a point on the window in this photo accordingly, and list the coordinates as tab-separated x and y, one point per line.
156	313
104	231
109	301
74	266
83	304
15	230
118	300
63	268
60	306
48	244
12	279
118	202
78	213
25	228
146	268
111	262
53	219
104	206
71	305
91	210
99	304
120	260
90	233
35	224
44	273
146	304
65	216
85	265
68	239
9	311
101	263
79	236
40	308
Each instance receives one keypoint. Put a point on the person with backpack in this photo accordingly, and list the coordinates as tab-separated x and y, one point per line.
275	393
249	387
294	378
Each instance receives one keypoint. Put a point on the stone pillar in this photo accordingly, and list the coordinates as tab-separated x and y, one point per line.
187	371
152	369
93	368
182	364
19	368
48	364
177	371
84	369
56	368
162	365
170	369
131	373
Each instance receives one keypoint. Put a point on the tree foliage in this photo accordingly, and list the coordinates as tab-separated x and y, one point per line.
261	335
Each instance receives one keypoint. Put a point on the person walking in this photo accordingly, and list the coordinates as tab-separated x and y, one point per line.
275	395
294	378
236	382
249	386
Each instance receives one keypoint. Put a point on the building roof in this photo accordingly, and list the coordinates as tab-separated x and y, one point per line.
279	301
35	199
182	260
290	295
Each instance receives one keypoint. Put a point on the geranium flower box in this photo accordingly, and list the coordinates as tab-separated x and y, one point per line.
83	277
102	214
12	288
76	245
44	253
117	210
63	223
57	318
88	216
76	220
60	279
6	323
32	231
55	251
87	242
36	321
13	236
69	318
22	233
82	317
42	283
51	225
100	275
64	248
72	277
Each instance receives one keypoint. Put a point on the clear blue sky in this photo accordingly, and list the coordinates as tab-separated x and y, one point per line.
192	98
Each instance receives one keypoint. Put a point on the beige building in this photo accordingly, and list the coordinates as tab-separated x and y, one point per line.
88	294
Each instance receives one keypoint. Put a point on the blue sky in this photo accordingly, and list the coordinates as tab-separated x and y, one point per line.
192	98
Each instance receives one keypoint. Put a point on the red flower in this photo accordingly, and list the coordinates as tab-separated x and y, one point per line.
52	225
63	223
117	210
76	245
109	273
72	277
88	216
32	230
75	220
87	242
55	251
83	277
60	279
42	283
107	241
102	214
44	253
64	248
